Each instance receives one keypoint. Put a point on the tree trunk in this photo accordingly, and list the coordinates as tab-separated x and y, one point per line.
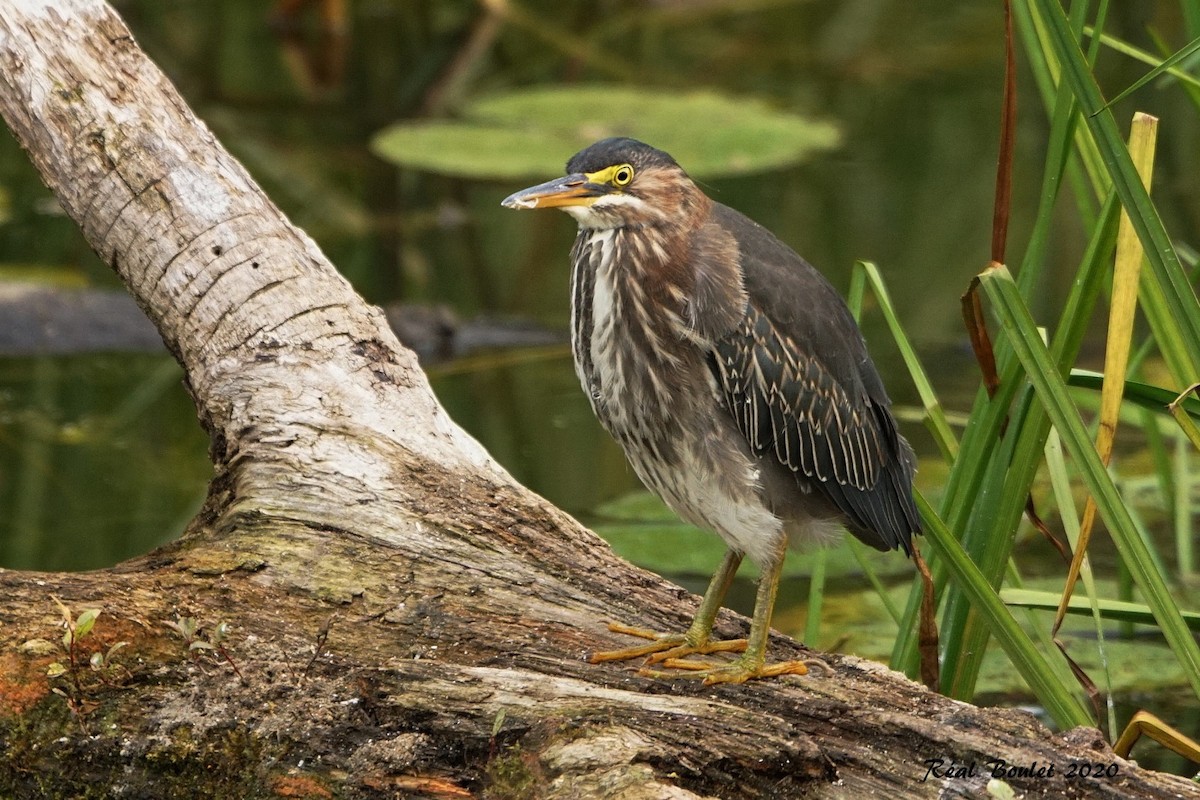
382	610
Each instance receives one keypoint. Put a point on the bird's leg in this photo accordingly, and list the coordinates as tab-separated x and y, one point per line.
752	663
695	640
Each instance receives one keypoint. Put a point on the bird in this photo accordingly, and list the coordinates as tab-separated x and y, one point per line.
735	379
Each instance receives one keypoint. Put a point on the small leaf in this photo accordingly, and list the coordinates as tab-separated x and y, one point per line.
39	647
1000	790
55	670
498	722
83	625
97	660
108	656
184	626
200	644
62	609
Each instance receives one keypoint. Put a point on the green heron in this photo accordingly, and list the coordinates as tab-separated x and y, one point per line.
734	378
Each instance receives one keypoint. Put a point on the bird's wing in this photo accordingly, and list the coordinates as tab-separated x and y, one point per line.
796	377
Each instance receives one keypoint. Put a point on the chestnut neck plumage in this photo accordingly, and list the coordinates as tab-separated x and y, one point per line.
631	282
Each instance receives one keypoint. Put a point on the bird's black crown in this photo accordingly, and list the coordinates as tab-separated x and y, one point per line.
618	150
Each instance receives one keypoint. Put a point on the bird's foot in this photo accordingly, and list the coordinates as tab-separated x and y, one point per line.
663	646
738	671
682	650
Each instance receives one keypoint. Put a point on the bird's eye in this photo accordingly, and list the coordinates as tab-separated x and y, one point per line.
623	175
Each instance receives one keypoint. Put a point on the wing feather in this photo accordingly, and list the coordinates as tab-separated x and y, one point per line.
796	378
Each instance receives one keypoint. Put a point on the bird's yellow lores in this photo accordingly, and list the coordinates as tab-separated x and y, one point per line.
734	378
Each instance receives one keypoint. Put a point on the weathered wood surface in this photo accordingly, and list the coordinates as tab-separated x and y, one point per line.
404	619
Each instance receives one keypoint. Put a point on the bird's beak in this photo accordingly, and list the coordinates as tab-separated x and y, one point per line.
569	190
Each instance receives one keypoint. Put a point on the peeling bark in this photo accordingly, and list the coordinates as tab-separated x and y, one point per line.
402	618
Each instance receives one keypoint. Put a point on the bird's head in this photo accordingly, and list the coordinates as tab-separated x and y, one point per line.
615	183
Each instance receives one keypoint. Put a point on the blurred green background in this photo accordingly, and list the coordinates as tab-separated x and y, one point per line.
100	454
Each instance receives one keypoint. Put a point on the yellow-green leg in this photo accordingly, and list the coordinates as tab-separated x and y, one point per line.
752	663
695	640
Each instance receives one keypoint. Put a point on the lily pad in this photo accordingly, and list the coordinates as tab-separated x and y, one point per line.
531	133
472	150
